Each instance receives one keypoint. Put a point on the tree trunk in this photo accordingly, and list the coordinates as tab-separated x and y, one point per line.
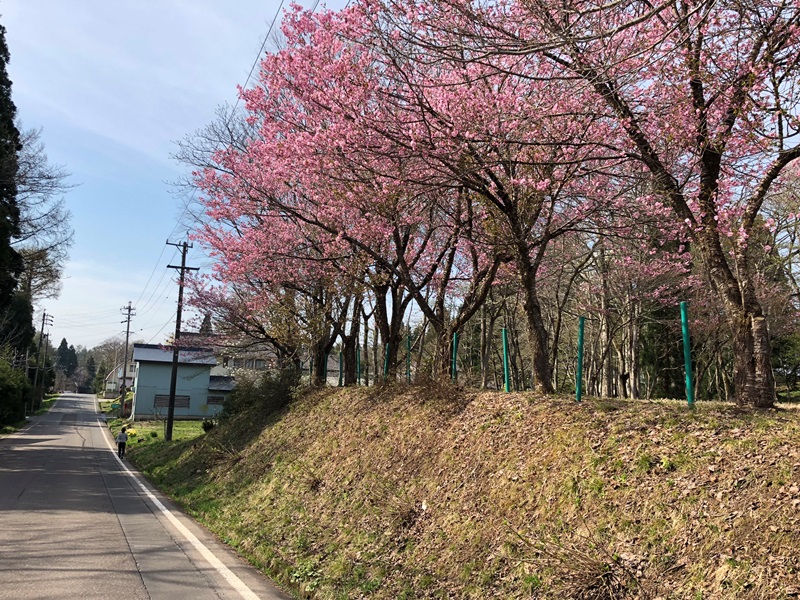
622	371
365	351
540	353
443	351
634	366
487	342
754	382
516	347
389	321
607	376
420	348
349	345
350	342
319	352
376	369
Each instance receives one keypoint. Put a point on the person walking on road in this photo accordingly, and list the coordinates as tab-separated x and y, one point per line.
122	440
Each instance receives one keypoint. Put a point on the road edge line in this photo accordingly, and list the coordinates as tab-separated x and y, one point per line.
229	576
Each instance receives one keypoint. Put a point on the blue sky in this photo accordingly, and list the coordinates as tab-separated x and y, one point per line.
114	85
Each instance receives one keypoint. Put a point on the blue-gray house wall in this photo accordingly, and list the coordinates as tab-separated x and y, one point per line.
153	379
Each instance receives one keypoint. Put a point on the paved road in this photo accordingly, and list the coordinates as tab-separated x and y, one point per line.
76	523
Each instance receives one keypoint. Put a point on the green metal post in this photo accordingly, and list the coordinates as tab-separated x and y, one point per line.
505	360
386	362
687	354
341	373
453	367
408	358
579	371
358	365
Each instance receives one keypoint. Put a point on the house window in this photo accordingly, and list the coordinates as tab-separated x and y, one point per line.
261	364
216	400
162	401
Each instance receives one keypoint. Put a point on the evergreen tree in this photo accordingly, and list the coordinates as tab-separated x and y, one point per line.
10	146
91	368
62	356
99	378
16	323
206	327
72	361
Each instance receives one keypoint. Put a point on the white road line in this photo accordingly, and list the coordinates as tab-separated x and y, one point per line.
236	583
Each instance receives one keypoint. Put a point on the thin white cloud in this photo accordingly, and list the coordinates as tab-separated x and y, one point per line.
114	84
140	74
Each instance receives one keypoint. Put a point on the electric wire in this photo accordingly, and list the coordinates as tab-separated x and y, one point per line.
170	320
157	298
261	50
95	321
183	214
146	307
153	272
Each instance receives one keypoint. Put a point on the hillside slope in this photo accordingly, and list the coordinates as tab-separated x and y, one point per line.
410	493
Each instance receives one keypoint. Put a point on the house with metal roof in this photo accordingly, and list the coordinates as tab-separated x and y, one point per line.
199	391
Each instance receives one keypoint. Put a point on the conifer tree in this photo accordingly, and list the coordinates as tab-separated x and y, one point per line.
10	260
62	356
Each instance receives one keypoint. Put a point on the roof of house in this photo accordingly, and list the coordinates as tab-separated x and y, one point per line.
155	353
220	383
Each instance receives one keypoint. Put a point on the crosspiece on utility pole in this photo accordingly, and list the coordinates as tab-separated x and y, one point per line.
174	377
130	313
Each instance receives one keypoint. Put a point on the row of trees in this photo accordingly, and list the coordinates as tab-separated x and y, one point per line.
34	239
561	158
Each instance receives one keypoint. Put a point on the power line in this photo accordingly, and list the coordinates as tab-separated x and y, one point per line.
183	214
171	318
157	298
88	313
145	308
153	272
261	50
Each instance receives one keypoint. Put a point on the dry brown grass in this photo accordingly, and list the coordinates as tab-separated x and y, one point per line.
446	493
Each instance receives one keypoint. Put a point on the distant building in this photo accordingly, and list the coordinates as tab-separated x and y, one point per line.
200	388
113	380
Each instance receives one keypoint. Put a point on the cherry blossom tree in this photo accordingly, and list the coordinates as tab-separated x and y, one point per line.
520	149
398	238
411	151
702	93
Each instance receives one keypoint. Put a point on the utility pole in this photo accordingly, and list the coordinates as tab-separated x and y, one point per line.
129	310
44	364
46	320
174	378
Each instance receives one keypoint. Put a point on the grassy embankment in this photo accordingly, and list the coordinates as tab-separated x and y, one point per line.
408	493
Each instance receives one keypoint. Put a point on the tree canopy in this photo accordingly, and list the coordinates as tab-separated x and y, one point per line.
608	159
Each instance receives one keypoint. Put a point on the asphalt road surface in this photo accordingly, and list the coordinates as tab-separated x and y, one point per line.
75	522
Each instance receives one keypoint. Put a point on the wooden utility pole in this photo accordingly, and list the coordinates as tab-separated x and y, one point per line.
174	377
129	310
36	399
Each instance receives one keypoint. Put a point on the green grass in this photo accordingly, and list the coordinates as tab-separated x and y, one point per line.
152	432
104	406
47	404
